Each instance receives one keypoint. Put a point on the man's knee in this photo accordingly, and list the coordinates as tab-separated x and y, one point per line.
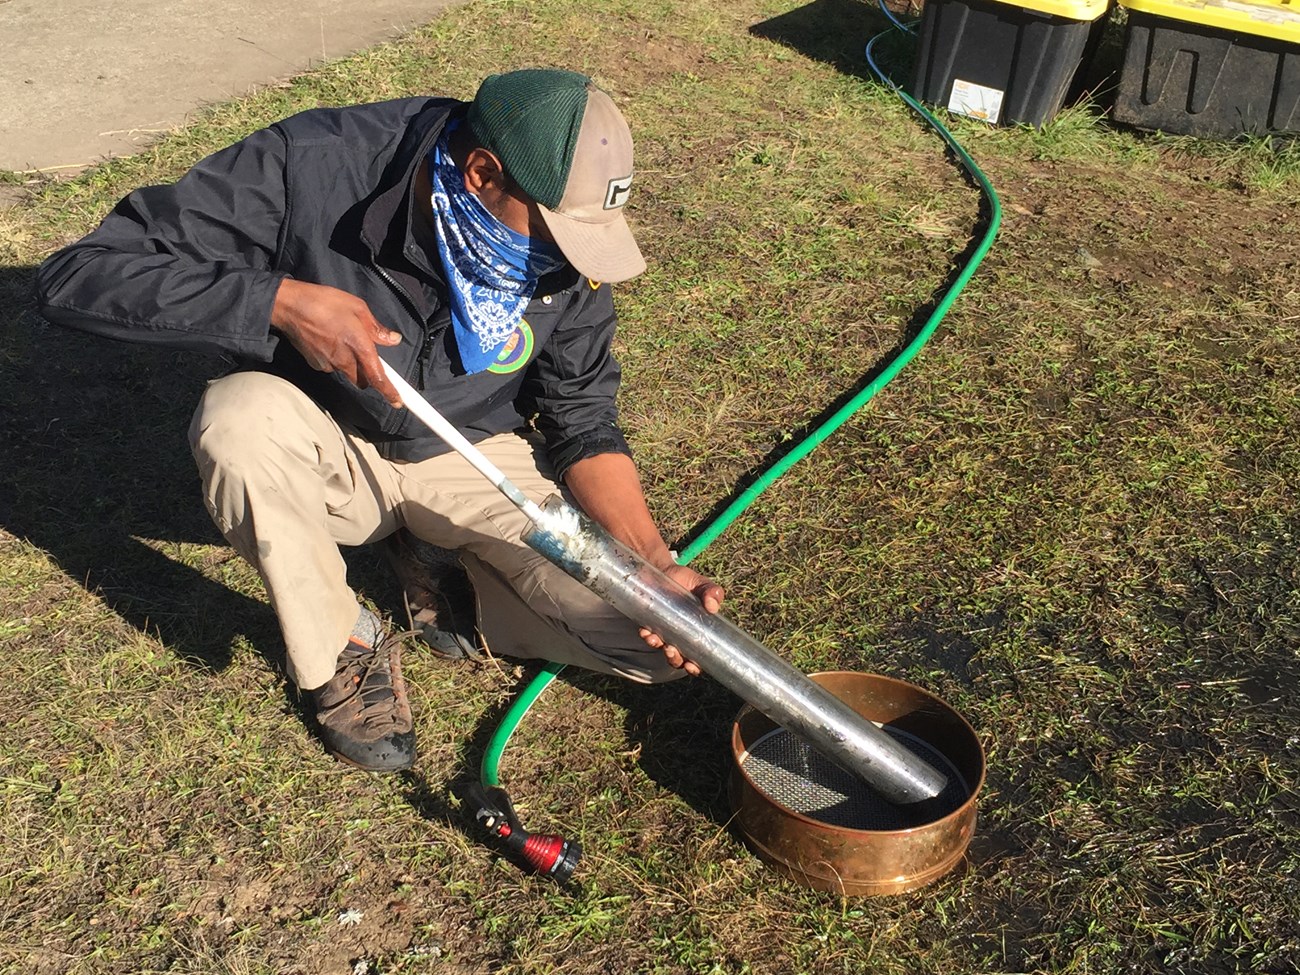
238	414
253	435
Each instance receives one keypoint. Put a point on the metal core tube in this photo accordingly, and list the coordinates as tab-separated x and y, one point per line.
725	652
729	655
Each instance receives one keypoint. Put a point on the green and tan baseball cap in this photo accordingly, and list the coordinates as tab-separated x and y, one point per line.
568	147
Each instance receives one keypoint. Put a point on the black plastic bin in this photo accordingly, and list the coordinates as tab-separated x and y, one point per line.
1208	69
1006	63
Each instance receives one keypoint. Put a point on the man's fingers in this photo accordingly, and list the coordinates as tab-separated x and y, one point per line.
371	368
388	392
373	377
711	595
676	659
651	638
383	335
671	653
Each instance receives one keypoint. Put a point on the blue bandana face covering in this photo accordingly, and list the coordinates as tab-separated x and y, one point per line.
491	270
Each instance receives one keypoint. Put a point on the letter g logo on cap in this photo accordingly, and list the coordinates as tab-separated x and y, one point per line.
617	193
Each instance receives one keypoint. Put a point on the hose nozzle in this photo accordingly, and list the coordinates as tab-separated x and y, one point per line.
543	853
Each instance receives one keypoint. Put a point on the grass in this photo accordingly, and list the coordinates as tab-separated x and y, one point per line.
1073	517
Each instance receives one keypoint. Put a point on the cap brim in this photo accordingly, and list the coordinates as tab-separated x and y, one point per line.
604	252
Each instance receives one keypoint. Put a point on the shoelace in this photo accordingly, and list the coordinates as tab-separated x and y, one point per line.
373	679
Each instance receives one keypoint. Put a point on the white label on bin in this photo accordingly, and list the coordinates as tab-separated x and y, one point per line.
977	101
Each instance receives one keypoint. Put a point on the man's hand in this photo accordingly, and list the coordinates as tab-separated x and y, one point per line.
708	592
608	489
335	332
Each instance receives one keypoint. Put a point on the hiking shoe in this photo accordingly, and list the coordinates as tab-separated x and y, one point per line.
363	713
448	628
439	599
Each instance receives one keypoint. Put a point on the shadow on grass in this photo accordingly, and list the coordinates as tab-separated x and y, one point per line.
677	730
94	466
95	470
834	32
680	732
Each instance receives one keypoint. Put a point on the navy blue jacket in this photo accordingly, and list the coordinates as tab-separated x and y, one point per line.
326	197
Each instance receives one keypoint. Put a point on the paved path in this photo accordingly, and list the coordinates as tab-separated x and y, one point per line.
85	79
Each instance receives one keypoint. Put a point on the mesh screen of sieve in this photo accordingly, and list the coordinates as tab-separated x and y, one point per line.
788	770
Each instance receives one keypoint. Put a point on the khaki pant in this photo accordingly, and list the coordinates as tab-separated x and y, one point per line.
287	486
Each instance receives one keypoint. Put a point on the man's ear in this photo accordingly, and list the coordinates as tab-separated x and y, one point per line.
483	171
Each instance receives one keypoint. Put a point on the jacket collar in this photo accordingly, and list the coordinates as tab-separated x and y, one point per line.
388	223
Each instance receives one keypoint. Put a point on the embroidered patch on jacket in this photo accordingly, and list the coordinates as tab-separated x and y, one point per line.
516	352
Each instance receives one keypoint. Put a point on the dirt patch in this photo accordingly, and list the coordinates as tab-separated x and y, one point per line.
1163	233
10	195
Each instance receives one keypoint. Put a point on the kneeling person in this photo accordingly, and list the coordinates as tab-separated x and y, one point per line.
472	247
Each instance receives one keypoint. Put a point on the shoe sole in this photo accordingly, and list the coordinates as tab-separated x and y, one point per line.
369	768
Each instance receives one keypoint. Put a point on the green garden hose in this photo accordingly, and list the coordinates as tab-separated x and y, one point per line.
501	737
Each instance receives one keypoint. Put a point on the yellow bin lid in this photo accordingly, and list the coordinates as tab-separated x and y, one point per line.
1278	19
1074	9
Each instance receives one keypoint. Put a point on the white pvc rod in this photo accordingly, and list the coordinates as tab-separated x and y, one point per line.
436	422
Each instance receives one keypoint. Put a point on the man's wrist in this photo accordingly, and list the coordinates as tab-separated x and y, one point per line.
282	317
657	555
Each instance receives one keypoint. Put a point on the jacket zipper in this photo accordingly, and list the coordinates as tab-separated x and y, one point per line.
409	302
426	351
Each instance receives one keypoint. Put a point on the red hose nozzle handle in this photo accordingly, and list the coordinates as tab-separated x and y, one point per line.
544	853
